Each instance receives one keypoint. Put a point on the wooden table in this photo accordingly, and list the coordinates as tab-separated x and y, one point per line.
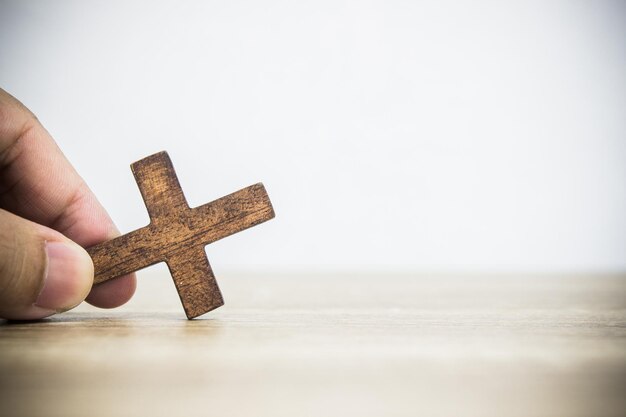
331	345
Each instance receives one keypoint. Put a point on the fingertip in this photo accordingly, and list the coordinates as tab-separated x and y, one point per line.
68	279
113	293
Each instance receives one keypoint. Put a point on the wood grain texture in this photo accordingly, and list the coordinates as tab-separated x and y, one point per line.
305	344
177	233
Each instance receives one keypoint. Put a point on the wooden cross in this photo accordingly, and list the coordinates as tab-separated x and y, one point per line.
177	233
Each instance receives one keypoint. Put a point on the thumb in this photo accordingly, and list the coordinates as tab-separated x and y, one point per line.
41	271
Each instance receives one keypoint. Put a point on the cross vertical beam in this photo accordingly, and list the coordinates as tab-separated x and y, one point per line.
195	282
159	187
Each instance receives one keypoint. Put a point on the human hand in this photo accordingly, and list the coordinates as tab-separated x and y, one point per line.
47	213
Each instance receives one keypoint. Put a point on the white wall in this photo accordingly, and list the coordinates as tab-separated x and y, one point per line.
391	135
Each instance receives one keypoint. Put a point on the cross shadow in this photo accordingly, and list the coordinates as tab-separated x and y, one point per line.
116	320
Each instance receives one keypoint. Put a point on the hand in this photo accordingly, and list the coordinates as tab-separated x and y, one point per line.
47	214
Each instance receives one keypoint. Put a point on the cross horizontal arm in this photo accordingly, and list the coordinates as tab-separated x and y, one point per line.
123	255
232	213
192	228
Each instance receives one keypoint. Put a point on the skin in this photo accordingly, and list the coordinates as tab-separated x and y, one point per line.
43	200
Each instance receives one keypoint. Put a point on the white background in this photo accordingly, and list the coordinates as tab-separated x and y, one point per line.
391	135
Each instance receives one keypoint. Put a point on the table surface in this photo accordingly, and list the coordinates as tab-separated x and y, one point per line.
331	345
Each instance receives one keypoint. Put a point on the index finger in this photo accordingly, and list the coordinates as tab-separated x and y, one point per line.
37	182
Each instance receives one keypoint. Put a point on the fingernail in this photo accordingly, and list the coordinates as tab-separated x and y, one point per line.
69	277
